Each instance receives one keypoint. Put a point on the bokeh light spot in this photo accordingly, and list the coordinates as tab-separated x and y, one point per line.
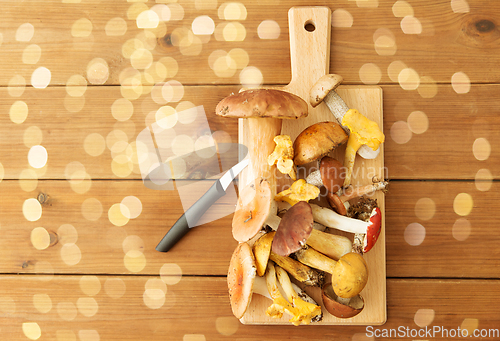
481	149
40	78
133	205
16	86
170	273
94	144
409	79
470	325
90	285
402	9
463	204
42	303
89	335
71	254
232	11
428	87
116	27
251	77
342	18
32	209
32	330
37	156
418	122
203	25
81	28
31	54
268	29
97	71
67	234
76	86
483	180
25	32
92	209
460	6
87	306
18	112
147	19
40	238
227	325
425	208
370	73
461	229
460	82
115	287
414	234
116	216
394	69
411	25
400	132
424	317
134	261
385	42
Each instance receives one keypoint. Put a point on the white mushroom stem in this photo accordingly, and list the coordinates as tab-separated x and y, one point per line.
330	218
260	287
314	178
338	108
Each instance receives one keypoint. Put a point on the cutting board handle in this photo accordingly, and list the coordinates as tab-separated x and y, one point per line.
310	30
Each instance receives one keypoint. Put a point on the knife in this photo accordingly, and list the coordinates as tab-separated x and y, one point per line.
189	219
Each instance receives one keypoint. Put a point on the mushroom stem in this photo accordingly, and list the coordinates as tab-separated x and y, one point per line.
363	190
332	245
315	259
330	218
280	305
351	149
308	311
299	271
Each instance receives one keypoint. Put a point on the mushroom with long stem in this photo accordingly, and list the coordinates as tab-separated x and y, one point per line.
349	273
367	231
363	131
339	201
296	230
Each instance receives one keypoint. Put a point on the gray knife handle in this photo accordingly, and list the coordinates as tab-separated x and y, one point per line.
189	219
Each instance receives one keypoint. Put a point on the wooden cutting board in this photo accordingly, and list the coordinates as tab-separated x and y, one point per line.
310	29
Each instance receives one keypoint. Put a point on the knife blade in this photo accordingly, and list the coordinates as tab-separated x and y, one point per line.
189	219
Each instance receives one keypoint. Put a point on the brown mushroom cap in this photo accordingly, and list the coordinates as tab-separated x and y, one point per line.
322	87
262	103
332	174
240	279
336	203
317	140
252	210
294	229
350	275
335	307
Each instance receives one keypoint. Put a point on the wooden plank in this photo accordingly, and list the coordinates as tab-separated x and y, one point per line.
142	307
467	39
432	151
457	249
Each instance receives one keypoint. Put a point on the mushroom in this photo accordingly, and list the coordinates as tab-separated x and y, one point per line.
240	279
349	273
330	175
363	131
324	91
302	310
301	272
282	156
341	307
317	141
263	110
300	190
296	230
262	250
253	209
306	311
365	232
340	202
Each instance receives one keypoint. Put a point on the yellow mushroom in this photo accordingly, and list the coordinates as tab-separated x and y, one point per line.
363	131
282	156
299	191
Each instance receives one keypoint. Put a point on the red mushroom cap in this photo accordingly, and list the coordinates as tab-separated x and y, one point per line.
373	229
294	229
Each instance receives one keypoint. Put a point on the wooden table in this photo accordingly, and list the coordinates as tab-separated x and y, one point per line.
79	81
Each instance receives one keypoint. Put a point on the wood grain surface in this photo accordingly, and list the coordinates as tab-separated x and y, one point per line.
80	79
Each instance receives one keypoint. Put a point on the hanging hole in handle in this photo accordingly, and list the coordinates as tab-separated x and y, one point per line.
309	26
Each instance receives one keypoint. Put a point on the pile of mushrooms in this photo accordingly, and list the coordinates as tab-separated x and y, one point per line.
277	249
